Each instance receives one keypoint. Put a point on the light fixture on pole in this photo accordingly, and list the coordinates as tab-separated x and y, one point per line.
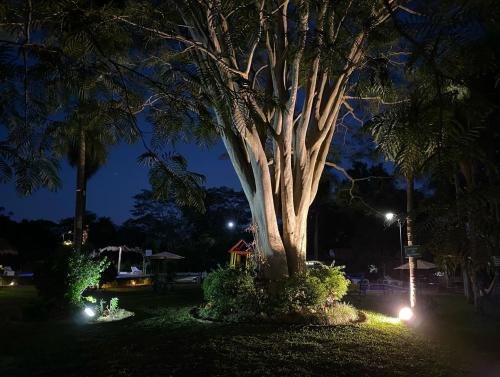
391	217
230	224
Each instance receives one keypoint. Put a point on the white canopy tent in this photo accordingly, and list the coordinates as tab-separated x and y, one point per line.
121	249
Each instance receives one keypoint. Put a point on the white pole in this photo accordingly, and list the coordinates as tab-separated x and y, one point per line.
411	264
119	259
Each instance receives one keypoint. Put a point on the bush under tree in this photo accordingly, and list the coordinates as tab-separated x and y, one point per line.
234	294
230	294
83	272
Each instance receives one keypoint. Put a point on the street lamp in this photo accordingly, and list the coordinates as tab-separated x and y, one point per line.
390	217
230	224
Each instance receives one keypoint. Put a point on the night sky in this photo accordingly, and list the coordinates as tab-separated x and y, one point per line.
111	189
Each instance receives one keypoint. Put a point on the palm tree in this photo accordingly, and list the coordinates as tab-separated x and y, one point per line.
403	135
85	139
65	61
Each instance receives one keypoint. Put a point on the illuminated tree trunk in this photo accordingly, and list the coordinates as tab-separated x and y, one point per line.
276	99
409	234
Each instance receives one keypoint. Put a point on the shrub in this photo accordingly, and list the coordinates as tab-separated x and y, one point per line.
342	313
113	305
83	272
337	314
298	293
65	275
312	296
230	293
334	281
311	290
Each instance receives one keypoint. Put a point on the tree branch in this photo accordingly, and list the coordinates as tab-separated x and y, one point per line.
196	45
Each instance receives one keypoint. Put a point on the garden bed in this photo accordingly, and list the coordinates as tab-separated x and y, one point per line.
118	316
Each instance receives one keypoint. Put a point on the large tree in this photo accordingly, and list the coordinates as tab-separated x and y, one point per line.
277	77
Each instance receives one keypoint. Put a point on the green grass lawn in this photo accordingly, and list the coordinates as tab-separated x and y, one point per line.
163	340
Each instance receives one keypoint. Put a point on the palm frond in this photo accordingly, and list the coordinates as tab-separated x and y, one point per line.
170	179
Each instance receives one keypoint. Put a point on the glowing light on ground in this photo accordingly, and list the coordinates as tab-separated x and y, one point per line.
405	314
89	312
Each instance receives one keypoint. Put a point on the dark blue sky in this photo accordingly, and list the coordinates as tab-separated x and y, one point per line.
110	191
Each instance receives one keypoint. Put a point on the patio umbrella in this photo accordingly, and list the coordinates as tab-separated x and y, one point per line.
421	265
165	255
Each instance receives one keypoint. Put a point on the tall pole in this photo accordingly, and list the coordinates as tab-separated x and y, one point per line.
400	240
400	248
119	260
409	235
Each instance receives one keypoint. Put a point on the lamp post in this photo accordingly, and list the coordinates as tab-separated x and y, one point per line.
390	217
230	224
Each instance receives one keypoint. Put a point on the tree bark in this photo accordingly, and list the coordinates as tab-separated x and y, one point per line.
468	171
278	148
463	264
409	234
465	277
255	181
80	192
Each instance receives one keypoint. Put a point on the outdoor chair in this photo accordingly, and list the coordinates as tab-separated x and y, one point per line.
135	271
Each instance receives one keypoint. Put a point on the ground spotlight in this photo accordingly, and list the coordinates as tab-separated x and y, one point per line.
89	312
405	314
